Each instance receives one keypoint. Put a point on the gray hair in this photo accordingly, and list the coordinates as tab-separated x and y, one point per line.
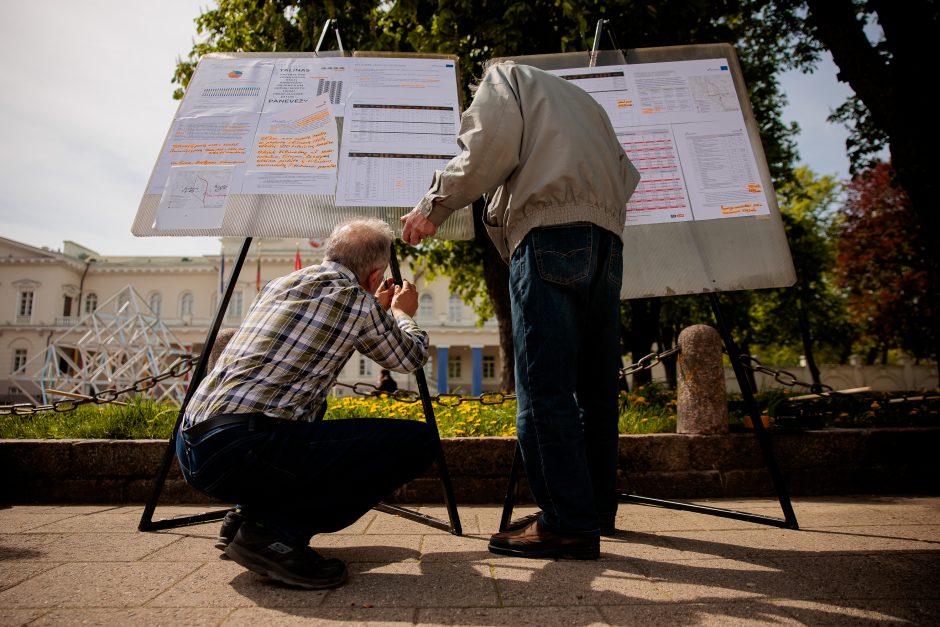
360	244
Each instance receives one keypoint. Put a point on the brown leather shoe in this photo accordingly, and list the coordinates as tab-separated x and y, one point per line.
535	541
608	527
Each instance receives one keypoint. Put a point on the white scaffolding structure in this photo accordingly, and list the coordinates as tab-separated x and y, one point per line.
121	342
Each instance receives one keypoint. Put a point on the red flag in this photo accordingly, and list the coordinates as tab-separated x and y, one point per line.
297	265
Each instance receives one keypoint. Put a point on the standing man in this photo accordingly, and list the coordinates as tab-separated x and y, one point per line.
254	435
557	182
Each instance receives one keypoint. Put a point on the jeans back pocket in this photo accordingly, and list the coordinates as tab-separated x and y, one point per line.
563	253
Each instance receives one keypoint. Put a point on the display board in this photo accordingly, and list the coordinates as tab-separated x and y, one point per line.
275	145
704	216
288	145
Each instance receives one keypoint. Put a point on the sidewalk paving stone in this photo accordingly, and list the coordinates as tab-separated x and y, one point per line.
857	561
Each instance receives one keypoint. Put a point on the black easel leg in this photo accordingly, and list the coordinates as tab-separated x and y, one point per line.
510	501
763	438
750	404
146	520
425	394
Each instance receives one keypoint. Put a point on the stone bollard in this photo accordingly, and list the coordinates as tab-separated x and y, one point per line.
702	401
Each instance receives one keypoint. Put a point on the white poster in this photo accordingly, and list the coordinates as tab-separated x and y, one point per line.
391	149
206	141
301	80
294	151
660	195
720	170
681	125
426	80
227	86
610	87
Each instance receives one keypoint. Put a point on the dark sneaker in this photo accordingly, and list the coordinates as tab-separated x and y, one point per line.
264	553
535	541
608	528
230	524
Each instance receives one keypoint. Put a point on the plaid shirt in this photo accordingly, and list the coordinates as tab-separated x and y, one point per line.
300	332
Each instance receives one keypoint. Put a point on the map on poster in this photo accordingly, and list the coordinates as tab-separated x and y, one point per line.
681	124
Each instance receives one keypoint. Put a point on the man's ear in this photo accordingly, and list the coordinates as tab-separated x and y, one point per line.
372	281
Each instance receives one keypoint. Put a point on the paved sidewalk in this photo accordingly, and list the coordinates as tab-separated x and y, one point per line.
857	560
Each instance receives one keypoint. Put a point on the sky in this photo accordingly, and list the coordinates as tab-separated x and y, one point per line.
86	102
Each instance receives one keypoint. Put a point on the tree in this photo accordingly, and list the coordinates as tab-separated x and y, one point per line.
882	267
477	31
810	315
887	73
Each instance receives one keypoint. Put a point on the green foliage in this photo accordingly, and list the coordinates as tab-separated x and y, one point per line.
649	408
810	316
461	262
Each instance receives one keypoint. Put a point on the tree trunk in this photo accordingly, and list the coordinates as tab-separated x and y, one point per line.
806	336
496	277
891	91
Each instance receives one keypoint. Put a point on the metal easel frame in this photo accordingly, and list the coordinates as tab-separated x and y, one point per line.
146	521
789	520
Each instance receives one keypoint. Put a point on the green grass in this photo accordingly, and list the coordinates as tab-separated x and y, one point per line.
648	409
140	419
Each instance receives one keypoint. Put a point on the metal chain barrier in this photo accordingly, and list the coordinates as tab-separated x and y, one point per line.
178	369
784	378
647	362
821	390
410	396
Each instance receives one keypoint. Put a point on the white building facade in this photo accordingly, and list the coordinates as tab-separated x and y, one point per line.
43	293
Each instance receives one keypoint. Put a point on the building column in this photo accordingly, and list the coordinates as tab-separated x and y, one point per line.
477	357
442	369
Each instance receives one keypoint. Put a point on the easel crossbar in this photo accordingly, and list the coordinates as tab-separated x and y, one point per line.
711	511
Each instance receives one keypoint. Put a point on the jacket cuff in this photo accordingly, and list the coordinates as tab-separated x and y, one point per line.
430	205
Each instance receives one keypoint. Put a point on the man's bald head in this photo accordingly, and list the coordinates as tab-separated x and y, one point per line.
362	244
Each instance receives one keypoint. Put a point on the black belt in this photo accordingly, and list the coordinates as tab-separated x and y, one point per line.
258	422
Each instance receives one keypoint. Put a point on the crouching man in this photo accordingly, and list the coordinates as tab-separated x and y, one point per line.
253	433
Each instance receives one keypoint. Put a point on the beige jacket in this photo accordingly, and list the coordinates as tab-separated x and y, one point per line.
544	153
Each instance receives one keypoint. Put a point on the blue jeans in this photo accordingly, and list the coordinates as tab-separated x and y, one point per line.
565	294
302	478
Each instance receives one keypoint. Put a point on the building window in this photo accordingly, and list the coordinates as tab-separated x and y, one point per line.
19	358
453	367
365	367
156	302
489	367
24	308
91	302
455	308
66	305
186	304
426	308
235	306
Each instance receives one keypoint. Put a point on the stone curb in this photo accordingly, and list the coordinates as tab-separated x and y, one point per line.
844	461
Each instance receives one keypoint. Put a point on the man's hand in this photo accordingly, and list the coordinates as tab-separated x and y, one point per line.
405	299
417	227
385	292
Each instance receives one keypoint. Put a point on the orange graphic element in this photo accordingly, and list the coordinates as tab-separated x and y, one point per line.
623	104
755	188
746	207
